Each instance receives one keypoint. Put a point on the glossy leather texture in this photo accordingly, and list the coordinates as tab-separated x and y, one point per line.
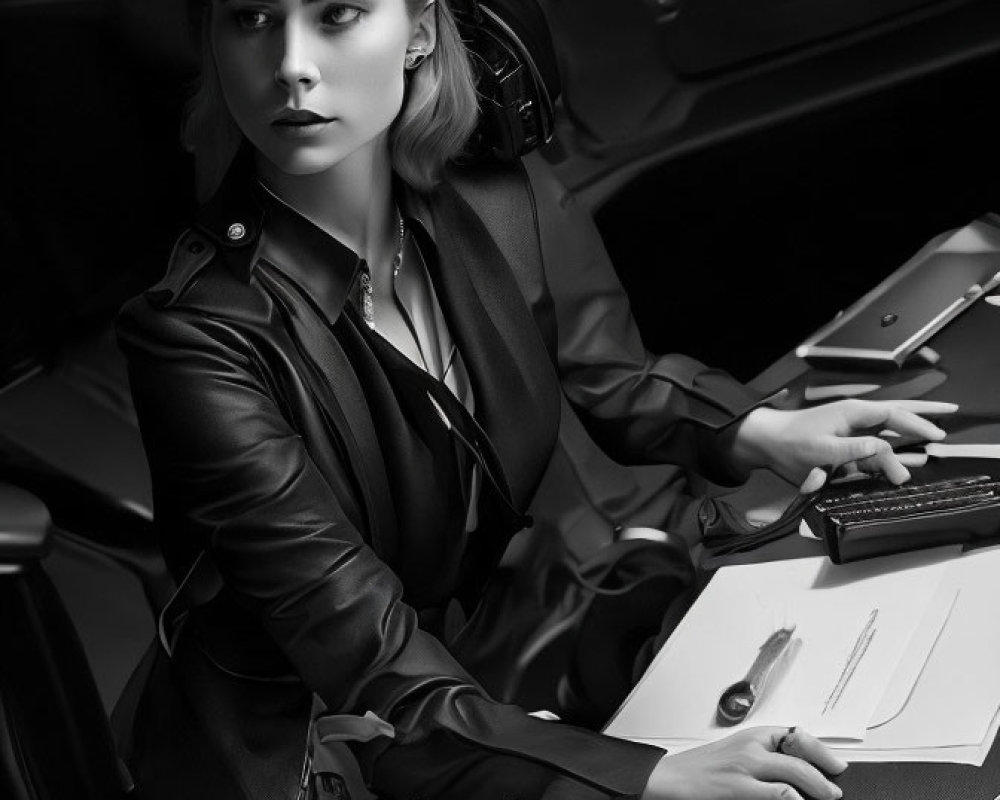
268	418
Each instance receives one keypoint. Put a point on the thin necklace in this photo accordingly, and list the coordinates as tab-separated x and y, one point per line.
367	289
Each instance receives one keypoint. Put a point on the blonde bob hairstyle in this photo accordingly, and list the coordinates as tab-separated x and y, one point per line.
439	113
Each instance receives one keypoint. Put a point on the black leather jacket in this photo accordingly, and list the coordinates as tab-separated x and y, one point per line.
259	405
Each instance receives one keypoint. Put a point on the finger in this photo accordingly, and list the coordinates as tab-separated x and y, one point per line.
873	413
931	408
872	454
912	460
887	464
905	423
814	480
772	791
769	737
804	745
845	449
800	774
849	469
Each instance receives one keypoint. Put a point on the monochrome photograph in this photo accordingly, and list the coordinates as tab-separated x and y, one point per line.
499	399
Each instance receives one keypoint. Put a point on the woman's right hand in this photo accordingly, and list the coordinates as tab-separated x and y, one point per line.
749	766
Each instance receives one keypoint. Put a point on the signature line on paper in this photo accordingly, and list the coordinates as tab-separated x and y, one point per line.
857	653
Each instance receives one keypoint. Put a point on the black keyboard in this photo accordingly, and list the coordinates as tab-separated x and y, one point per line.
865	521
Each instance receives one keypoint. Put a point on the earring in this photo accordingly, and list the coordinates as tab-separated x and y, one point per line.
414	58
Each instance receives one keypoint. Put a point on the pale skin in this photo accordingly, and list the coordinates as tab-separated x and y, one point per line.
345	63
805	446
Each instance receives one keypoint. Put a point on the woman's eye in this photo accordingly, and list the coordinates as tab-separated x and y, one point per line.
252	20
340	15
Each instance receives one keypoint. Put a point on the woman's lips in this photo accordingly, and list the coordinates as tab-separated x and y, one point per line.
299	124
300	131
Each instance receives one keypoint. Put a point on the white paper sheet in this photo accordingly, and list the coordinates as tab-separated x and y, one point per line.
717	641
917	653
972	754
956	698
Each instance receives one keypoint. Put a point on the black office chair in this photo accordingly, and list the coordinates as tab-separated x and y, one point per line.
55	741
82	228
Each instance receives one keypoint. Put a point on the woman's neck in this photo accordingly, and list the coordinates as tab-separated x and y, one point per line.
352	201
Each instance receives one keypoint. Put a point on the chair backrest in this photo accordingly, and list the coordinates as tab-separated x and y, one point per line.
55	741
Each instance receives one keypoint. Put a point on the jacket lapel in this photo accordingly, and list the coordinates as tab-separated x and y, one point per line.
342	398
516	389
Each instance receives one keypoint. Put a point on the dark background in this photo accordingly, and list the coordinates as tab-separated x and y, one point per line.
748	186
94	184
734	254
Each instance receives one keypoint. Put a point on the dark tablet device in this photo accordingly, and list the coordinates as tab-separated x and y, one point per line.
892	321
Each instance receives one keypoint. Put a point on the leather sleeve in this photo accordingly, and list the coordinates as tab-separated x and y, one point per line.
229	472
641	408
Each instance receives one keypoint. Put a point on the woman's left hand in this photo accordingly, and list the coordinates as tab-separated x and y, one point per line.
805	445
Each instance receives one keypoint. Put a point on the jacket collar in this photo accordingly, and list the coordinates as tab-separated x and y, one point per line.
250	226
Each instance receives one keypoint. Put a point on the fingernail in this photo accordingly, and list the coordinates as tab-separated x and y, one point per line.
939	433
837	793
815	480
841	765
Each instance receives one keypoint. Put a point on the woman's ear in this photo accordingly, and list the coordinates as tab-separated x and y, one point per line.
424	36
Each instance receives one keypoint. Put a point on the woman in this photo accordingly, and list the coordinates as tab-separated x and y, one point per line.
346	405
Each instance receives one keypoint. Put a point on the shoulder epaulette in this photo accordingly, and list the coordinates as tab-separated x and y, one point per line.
192	252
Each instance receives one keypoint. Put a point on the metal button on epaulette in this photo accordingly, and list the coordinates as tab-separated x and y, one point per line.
236	231
196	247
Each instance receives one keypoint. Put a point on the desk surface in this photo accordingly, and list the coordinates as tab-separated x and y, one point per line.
970	359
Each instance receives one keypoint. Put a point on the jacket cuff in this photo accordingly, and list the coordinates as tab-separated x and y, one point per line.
563	788
717	400
715	443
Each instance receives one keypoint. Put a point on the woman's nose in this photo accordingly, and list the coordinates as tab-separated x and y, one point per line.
296	68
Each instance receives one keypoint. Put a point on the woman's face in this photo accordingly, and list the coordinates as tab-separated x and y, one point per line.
310	82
